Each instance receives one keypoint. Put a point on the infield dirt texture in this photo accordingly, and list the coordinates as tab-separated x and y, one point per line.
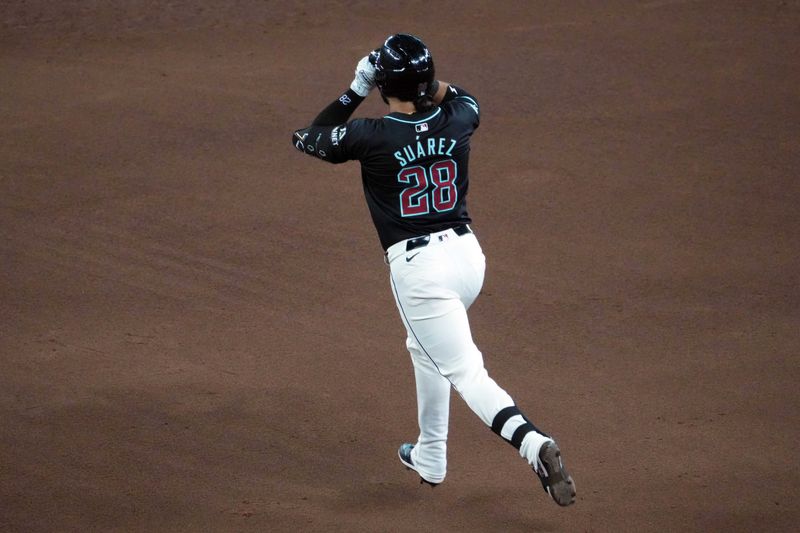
196	327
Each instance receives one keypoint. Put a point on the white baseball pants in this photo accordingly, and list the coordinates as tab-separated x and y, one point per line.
433	287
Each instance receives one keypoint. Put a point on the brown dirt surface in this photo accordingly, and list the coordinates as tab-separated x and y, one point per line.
196	326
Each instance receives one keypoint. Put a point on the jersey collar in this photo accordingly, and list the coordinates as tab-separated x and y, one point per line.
404	121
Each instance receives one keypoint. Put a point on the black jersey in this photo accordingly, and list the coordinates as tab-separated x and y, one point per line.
414	168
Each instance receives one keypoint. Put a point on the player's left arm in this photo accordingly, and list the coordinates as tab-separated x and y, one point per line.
321	139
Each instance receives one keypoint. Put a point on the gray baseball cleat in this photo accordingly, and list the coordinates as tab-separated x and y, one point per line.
404	453
555	479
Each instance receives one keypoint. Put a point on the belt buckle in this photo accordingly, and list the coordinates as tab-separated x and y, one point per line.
417	242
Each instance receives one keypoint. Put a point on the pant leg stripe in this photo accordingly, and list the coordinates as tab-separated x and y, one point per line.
502	417
519	434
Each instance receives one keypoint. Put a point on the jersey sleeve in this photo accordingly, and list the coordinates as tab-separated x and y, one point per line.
463	105
334	144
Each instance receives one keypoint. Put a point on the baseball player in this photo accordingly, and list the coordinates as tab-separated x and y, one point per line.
415	174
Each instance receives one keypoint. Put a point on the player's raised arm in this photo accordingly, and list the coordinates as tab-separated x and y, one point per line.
321	138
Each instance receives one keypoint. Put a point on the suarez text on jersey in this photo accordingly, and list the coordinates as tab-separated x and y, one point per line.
430	147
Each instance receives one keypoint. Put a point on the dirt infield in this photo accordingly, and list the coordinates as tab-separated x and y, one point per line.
196	326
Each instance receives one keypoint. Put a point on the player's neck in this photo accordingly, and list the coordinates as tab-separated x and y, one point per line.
400	106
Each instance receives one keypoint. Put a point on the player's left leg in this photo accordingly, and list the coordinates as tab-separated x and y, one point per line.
433	411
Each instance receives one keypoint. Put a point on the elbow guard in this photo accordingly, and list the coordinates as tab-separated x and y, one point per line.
299	139
316	141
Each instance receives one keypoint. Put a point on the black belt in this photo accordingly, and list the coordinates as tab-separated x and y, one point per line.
419	242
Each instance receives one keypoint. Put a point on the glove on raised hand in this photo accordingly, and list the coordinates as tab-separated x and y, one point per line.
364	81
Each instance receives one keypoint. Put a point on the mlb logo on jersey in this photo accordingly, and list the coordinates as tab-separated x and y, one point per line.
421	127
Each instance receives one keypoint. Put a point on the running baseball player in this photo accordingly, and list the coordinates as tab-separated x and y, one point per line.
415	174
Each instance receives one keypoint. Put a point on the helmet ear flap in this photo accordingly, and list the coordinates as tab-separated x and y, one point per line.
380	82
380	73
373	56
423	89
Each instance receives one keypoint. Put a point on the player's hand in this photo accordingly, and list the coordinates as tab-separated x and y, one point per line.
364	81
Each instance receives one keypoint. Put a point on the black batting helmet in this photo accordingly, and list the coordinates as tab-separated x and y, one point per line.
403	68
